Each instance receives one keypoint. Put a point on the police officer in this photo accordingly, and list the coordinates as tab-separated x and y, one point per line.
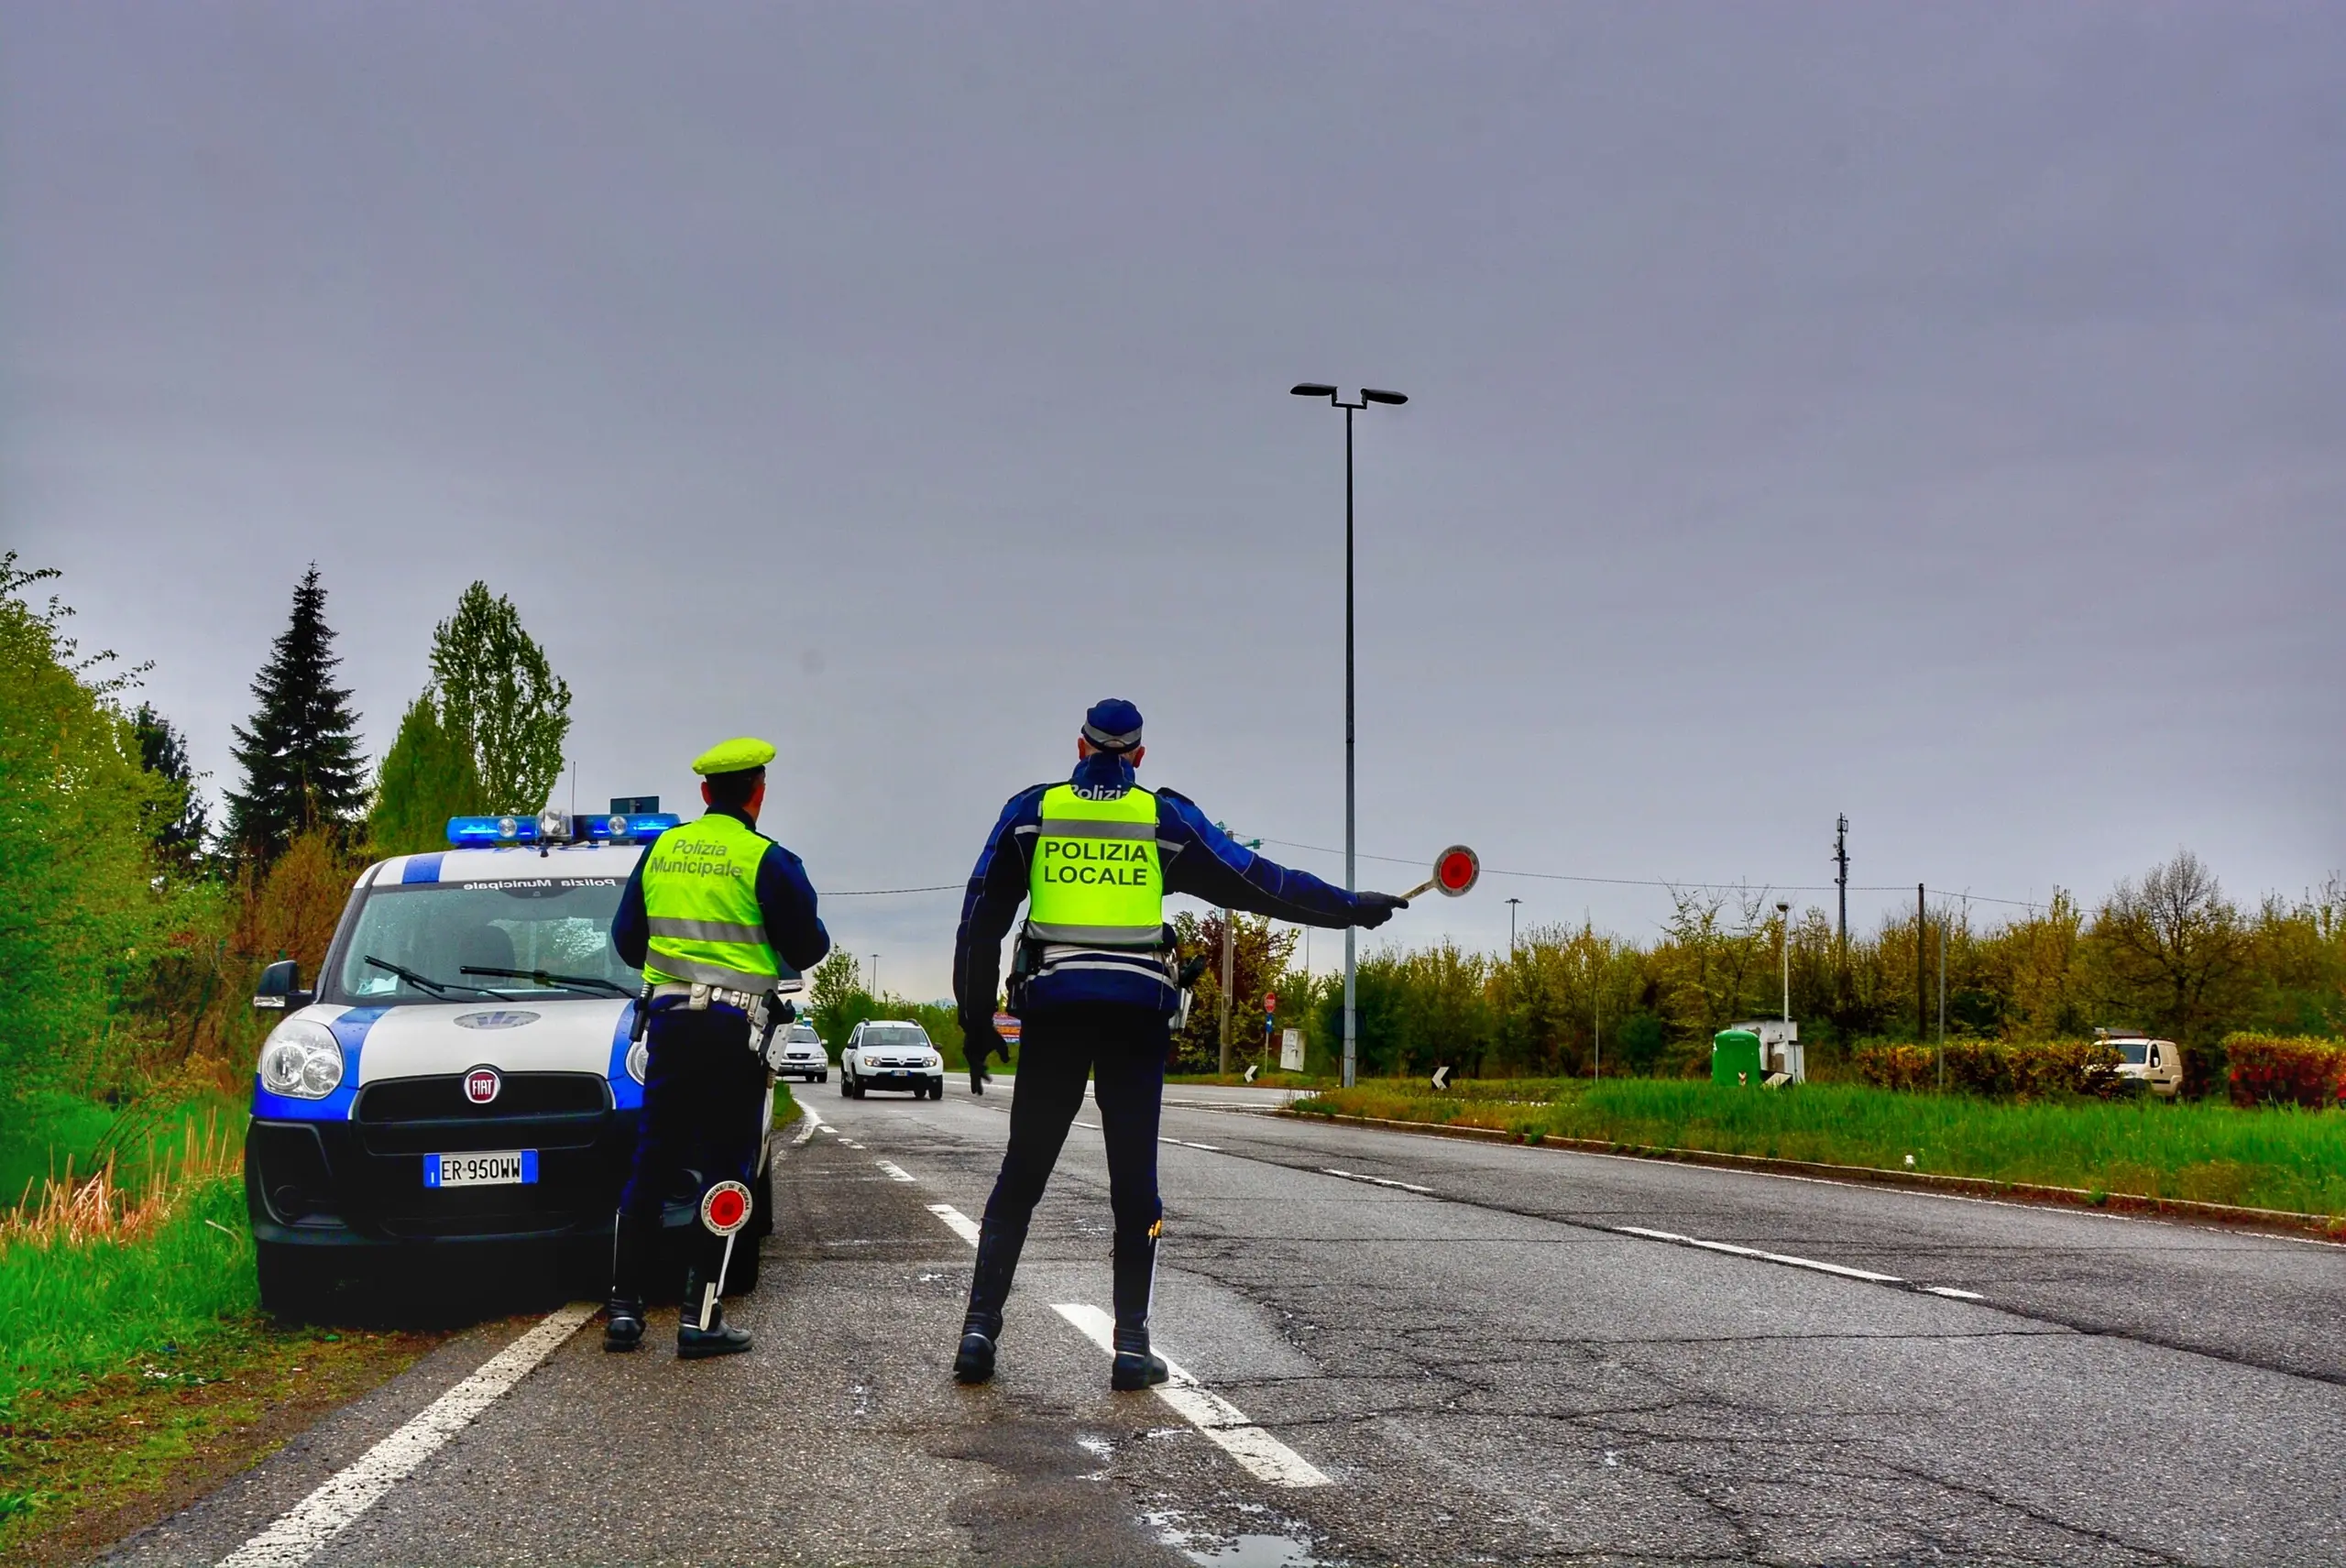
1094	983
713	913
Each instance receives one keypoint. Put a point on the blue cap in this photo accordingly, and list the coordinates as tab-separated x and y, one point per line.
1112	724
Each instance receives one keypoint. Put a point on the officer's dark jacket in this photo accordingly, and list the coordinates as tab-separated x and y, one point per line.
785	905
1199	859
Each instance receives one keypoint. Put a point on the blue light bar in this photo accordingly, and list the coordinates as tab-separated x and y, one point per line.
488	832
620	828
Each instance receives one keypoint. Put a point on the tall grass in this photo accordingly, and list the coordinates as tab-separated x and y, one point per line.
2279	1158
93	1275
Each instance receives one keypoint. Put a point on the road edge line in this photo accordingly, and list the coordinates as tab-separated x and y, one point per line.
302	1531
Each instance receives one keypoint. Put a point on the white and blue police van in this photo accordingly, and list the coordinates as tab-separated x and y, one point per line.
464	1072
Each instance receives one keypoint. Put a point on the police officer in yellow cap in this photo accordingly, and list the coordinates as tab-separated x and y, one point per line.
716	916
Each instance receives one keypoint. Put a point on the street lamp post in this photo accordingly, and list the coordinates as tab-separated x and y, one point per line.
1352	883
1785	922
1510	925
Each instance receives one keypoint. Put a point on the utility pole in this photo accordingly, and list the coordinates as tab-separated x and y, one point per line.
1841	857
1942	1004
1510	925
1921	1009
875	977
1229	978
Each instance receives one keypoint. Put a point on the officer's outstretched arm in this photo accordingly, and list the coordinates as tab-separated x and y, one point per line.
1207	863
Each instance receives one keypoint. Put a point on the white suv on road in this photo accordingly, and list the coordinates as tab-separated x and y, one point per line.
797	1052
888	1053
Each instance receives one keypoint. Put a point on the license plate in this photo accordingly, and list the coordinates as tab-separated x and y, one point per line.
490	1167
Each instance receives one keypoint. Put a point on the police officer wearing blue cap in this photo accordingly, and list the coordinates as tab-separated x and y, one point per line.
1095	984
717	915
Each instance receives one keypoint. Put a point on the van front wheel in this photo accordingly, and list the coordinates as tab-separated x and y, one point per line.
295	1281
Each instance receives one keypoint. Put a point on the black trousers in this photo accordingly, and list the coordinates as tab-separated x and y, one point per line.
703	1096
1121	1050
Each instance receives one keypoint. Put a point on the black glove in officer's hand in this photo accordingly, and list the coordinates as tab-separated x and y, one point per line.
980	1039
1374	909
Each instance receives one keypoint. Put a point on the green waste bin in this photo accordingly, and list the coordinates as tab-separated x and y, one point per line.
1734	1057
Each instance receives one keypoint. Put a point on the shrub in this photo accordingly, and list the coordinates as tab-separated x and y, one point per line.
2267	1069
2005	1070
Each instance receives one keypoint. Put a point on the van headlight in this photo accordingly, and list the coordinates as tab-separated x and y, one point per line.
300	1059
638	1057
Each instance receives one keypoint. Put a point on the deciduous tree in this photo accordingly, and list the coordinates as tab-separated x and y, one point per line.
495	684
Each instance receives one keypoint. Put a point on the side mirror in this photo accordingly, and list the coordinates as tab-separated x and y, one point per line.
279	990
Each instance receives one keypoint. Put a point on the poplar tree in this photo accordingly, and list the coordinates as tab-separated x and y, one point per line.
427	776
300	760
495	684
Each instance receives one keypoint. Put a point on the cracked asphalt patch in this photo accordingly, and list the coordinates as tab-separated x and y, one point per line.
1488	1373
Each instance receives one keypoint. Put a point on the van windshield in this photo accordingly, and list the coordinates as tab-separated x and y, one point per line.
560	927
2135	1052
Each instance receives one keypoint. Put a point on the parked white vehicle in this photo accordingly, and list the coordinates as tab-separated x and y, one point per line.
798	1053
888	1053
2157	1064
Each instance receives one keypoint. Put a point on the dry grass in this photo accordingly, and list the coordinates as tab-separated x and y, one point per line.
99	1206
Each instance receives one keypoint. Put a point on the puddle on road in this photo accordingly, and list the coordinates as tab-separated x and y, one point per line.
1246	1548
1255	1551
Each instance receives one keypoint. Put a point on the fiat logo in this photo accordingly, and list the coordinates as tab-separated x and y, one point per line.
482	1084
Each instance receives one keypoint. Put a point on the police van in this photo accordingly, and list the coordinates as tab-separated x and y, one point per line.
464	1072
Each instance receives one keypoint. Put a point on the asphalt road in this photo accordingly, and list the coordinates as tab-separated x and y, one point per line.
1477	1352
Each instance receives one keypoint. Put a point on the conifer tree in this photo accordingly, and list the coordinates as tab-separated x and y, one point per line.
428	776
300	758
179	823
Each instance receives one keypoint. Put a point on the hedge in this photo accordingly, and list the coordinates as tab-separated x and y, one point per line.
2277	1070
2002	1069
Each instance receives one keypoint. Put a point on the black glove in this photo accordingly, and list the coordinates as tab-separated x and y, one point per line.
980	1039
1374	909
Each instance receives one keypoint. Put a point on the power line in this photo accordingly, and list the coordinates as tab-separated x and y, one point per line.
1651	881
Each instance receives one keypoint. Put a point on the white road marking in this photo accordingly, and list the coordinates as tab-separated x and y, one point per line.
961	1224
1866	1275
1224	1423
299	1533
809	1131
1093	1126
896	1172
1375	1180
1952	1294
1186	1143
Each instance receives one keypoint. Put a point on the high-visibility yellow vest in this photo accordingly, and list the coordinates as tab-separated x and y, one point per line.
1096	879
700	897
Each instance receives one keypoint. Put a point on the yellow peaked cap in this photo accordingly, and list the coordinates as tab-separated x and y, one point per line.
732	756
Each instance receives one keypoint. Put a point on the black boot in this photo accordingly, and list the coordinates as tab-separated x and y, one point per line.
701	1329
1134	1367
632	1245
999	1245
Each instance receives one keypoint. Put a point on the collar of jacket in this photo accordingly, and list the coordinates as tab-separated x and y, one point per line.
1103	769
735	813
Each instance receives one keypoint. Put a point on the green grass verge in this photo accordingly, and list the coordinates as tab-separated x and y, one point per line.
74	1309
2206	1152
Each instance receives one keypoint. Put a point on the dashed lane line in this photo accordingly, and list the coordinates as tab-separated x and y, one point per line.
896	1172
1184	1143
961	1224
1376	1180
1222	1423
301	1533
1816	1264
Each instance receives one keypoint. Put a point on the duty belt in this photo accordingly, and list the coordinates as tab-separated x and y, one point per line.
697	997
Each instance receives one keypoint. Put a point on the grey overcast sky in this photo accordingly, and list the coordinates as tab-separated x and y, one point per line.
1934	413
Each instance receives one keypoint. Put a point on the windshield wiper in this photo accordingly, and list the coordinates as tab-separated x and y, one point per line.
424	982
553	981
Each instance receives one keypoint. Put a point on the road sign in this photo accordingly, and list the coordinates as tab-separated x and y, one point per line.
1251	1070
1442	1077
1270	1002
